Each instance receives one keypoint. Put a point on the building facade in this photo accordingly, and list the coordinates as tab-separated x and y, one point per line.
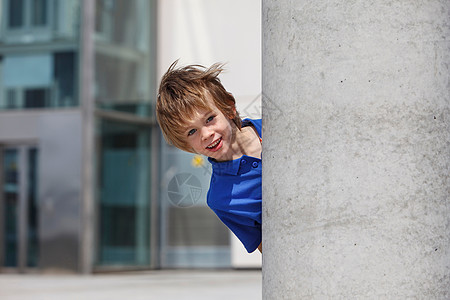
86	182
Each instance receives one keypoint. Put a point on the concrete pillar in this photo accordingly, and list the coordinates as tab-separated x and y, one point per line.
356	149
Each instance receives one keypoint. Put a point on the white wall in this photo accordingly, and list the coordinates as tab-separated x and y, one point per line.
208	31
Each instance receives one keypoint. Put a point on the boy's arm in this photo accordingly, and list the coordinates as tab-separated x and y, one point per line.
260	247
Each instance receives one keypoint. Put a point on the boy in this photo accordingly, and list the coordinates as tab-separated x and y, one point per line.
197	115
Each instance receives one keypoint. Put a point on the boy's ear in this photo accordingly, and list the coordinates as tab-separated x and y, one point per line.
233	113
233	103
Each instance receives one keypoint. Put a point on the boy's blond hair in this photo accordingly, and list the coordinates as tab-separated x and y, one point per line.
185	90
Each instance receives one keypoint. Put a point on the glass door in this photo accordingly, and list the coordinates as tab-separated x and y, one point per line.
123	194
18	207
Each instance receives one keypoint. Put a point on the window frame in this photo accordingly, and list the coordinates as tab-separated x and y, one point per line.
27	32
20	94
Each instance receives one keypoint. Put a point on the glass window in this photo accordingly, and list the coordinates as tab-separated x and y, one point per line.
122	57
65	72
16	13
27	14
39	12
36	98
191	235
12	195
11	98
39	80
117	78
123	194
123	22
37	21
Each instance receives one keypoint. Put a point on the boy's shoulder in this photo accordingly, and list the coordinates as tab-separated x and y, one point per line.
236	179
257	123
231	167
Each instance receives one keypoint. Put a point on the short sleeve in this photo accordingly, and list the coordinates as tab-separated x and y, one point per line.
246	229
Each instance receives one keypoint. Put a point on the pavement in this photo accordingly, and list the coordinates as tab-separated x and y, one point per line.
148	285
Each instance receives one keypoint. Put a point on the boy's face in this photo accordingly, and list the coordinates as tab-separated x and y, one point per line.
211	133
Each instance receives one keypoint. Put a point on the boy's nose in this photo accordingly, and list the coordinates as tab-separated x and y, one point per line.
206	133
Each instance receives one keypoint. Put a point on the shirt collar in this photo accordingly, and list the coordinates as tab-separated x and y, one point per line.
226	167
232	166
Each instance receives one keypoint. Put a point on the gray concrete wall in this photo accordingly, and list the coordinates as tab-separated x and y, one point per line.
60	191
57	136
356	149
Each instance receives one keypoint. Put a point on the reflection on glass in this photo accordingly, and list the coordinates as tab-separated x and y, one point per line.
39	81
122	57
16	12
123	23
191	235
65	79
35	76
46	20
12	218
39	12
35	98
123	194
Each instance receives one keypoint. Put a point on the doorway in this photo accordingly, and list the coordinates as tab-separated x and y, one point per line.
19	243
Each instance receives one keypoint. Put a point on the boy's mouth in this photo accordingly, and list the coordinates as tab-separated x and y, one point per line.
214	146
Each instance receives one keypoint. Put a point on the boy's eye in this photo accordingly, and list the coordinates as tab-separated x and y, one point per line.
210	119
191	132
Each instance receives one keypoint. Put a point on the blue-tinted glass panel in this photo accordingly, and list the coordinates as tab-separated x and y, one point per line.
65	77
36	98
123	22
16	14
192	236
39	10
123	59
11	98
38	21
123	194
40	80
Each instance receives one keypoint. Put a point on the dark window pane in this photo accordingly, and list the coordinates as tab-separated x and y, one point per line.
11	98
65	76
39	12
33	242
16	12
35	98
10	242
11	175
118	226
10	206
123	174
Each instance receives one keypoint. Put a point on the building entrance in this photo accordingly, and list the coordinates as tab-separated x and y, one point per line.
19	248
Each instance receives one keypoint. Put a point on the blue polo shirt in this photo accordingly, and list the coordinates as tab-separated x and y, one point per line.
235	194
